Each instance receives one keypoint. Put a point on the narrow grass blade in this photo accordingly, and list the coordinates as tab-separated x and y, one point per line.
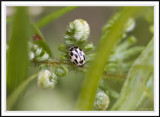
137	91
11	100
17	56
42	43
51	17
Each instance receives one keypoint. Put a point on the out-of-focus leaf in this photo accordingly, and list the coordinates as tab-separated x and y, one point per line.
11	100
51	17
137	92
109	39
41	42
18	58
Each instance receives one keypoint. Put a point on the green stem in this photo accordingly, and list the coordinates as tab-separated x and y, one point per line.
11	100
90	86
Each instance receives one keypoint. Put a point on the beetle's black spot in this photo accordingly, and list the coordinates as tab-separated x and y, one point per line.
75	61
70	57
71	53
71	49
80	49
84	57
76	51
81	61
76	56
75	47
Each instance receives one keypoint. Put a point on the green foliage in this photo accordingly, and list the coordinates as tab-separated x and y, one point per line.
123	56
114	57
101	101
41	41
37	53
149	16
108	41
61	71
19	50
137	91
11	100
17	55
51	17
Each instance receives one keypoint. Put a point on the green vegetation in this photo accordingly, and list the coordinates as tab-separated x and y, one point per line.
117	75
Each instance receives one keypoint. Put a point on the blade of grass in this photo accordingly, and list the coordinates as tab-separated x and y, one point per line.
92	79
137	91
18	59
11	100
51	17
42	43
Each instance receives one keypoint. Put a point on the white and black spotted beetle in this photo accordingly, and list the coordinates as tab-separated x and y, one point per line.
77	56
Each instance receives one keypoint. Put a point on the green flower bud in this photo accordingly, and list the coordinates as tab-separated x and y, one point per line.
46	79
78	30
101	101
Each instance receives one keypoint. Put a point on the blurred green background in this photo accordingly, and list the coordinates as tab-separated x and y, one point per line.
65	95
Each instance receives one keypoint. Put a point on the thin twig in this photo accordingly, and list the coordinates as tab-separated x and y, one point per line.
105	75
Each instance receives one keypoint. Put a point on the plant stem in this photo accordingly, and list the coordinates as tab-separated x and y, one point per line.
50	62
11	100
90	86
107	76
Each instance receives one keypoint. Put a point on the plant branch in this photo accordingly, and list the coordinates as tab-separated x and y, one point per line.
107	76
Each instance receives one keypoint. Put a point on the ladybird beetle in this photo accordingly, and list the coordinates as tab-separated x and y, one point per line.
77	56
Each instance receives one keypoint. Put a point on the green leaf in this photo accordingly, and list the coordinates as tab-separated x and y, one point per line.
108	41
137	91
11	100
51	17
42	43
18	58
